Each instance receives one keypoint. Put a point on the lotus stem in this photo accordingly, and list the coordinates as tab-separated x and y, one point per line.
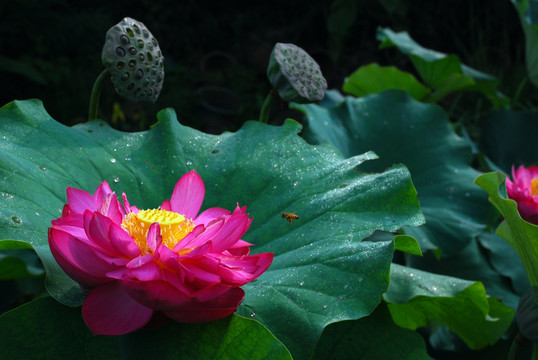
266	107
96	94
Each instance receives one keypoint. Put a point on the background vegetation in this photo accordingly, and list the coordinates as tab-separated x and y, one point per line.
51	50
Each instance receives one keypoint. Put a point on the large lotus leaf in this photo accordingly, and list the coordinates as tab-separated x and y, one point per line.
45	329
444	73
322	271
521	235
373	79
374	337
402	130
528	14
509	138
416	298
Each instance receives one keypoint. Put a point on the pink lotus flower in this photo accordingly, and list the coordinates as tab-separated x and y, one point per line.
524	190
137	264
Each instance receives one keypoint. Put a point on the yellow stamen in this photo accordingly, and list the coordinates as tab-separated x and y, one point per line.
534	186
174	227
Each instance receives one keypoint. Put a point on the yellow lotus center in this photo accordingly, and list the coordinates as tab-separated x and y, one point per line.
174	227
534	186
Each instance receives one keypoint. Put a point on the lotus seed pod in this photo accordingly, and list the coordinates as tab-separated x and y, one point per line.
527	314
133	57
295	75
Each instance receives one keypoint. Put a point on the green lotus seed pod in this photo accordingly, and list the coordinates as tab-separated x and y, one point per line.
527	314
133	57
295	75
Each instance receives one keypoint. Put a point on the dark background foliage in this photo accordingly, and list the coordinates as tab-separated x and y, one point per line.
216	53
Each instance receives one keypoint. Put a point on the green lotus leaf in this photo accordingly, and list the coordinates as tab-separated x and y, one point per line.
402	130
19	264
373	79
444	73
374	337
416	298
322	271
46	329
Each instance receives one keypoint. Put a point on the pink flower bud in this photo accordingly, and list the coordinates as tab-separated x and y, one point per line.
524	190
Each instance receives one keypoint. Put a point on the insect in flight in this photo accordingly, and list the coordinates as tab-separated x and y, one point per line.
289	216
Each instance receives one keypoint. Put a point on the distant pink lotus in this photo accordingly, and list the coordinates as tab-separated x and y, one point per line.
524	190
135	264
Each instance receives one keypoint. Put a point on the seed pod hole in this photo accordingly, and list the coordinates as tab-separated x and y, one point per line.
124	39
120	52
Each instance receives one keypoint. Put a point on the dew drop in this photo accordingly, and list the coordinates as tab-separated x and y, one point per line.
188	163
43	168
7	196
116	179
113	161
37	213
301	283
16	220
253	314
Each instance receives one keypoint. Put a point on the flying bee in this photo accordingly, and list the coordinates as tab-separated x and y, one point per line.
289	216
